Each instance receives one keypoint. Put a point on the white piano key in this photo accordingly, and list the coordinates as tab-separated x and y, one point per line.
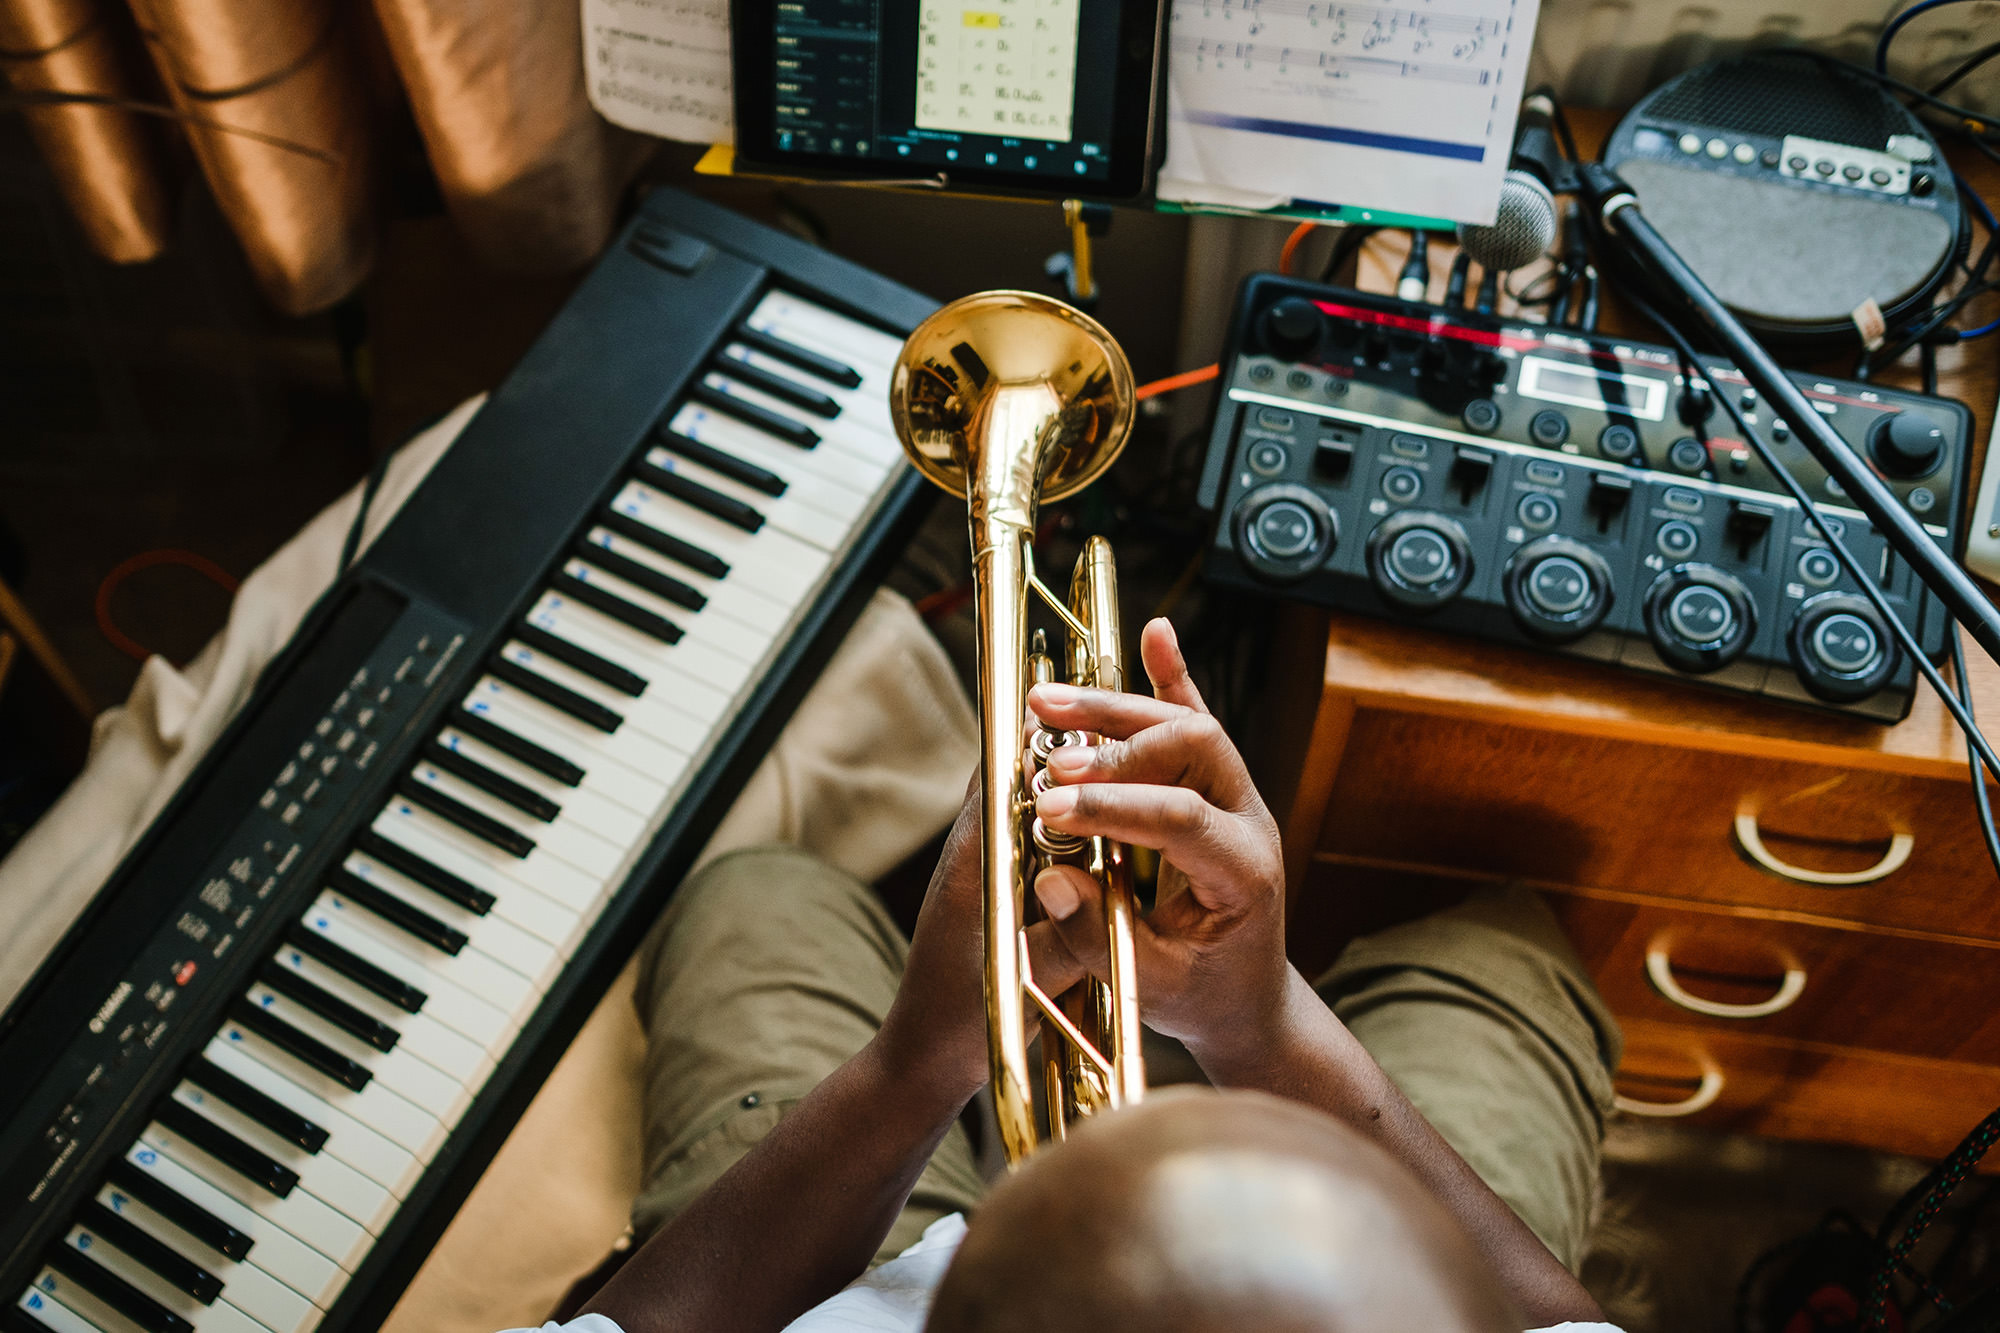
660	720
424	1033
702	700
40	1304
855	477
559	837
443	1094
529	717
384	1110
736	599
338	1237
533	905
817	514
783	567
604	815
479	976
377	1157
711	648
323	1175
244	1285
272	1248
495	936
848	436
861	347
225	1312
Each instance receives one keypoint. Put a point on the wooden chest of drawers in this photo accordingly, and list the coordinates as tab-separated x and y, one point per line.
1791	913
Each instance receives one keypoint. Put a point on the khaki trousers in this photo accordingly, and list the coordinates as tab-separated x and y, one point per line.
771	968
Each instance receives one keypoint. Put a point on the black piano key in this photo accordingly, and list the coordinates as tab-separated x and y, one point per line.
454	811
329	1006
498	785
544	761
707	499
178	1209
173	1266
244	1159
260	1106
303	1045
643	576
672	547
828	369
115	1291
585	710
774	423
424	871
601	669
398	912
729	465
611	604
355	968
799	395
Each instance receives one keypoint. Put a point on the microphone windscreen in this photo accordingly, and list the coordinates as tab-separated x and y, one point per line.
1522	231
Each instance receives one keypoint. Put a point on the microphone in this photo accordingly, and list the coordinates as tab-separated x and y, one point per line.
1524	228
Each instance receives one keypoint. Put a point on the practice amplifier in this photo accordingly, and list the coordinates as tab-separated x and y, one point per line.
1545	486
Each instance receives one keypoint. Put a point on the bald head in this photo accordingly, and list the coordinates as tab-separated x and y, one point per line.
1201	1211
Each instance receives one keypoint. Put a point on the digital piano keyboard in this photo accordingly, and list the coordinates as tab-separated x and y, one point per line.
262	1071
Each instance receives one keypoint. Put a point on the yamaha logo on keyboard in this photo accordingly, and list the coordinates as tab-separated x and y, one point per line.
109	1009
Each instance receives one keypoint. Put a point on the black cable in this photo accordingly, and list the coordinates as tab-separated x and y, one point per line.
1344	249
1415	279
369	485
1454	283
1489	292
1958	709
1971	62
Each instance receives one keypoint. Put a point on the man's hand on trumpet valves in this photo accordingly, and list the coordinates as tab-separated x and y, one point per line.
1211	953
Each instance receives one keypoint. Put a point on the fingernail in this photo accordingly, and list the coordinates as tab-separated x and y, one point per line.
1055	692
1055	802
1070	758
1058	896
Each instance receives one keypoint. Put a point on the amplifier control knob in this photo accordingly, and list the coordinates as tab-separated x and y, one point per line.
1419	560
1906	443
1841	648
1619	443
1700	618
1687	455
1283	532
1558	589
1696	406
1292	328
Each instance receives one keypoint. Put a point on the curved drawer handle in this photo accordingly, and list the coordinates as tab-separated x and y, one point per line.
1660	969
1752	841
1700	1099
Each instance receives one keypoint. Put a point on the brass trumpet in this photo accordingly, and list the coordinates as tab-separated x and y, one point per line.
1003	399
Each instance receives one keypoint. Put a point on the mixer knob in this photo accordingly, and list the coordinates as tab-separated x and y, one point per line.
1906	443
1558	589
1700	618
1284	532
1696	405
1841	648
1292	328
1687	455
1419	560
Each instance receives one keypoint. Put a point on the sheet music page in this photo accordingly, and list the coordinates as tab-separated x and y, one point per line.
997	66
661	67
1405	107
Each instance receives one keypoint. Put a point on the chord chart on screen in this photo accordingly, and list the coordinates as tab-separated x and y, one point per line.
997	67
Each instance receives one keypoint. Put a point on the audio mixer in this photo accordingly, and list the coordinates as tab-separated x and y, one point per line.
1545	486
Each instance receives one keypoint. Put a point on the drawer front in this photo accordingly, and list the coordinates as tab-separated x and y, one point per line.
1590	811
1754	1085
1726	973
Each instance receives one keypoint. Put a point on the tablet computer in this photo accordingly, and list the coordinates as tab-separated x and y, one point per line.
1044	97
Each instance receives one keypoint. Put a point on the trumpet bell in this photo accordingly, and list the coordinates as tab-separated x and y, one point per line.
951	375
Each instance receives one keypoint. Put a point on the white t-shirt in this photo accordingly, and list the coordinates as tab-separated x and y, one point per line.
896	1296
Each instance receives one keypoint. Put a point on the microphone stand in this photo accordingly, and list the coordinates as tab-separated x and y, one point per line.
1618	213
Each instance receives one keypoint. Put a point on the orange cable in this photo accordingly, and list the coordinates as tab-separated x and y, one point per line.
1299	233
1186	379
166	555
